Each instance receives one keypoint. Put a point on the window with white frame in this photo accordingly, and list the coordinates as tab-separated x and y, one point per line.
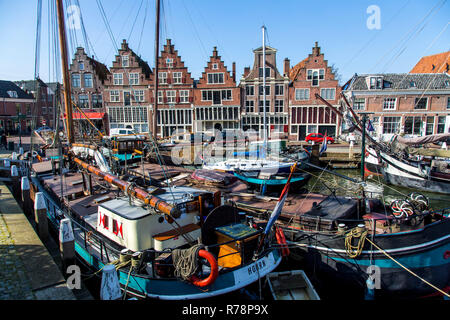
226	95
215	78
314	75
162	76
76	80
169	63
261	107
118	79
301	94
441	124
160	97
215	66
114	95
138	95
279	89
420	103
328	94
359	104
177	77
134	78
184	96
80	65
87	77
279	105
375	83
389	103
267	72
125	61
391	124
206	95
261	92
171	96
249	106
83	101
321	74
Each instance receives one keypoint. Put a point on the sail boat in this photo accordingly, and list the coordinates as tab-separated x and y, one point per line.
149	235
263	164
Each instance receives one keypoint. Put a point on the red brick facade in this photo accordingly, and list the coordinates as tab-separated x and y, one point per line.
217	98
127	94
308	114
175	93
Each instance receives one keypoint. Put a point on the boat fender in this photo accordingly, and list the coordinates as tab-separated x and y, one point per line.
282	241
214	270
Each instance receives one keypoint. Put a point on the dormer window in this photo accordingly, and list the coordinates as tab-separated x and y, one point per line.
12	94
412	84
376	83
447	83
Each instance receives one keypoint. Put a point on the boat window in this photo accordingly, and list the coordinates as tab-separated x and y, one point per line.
105	222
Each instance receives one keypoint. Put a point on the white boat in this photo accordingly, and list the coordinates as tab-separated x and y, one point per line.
291	285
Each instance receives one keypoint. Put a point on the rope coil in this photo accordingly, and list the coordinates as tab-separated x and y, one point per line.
185	261
353	251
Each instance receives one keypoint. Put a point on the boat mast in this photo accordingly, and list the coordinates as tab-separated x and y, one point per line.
264	91
65	71
155	105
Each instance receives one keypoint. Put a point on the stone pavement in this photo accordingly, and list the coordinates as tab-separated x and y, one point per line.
27	270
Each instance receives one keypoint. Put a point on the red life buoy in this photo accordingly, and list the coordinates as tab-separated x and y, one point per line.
214	270
282	242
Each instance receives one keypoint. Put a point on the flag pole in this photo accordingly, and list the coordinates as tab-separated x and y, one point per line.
277	210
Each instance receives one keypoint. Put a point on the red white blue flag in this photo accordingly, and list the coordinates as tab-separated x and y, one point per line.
279	206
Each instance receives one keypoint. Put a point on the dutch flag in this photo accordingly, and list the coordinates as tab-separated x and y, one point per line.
279	206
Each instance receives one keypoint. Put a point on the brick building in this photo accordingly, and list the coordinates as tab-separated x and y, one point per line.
87	82
126	91
42	111
15	105
217	98
413	104
308	114
175	93
276	95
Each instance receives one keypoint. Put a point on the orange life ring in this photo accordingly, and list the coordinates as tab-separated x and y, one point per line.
212	275
282	241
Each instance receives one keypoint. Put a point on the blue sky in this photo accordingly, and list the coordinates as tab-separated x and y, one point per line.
409	30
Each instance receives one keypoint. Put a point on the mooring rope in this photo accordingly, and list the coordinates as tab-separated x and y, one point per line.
355	251
410	271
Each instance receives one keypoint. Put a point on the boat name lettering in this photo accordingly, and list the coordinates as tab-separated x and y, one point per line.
253	269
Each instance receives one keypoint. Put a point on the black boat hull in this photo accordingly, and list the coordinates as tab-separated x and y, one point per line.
426	252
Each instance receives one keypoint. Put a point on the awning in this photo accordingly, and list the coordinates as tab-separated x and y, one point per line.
90	115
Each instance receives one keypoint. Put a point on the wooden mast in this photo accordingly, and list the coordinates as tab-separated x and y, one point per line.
155	104
65	71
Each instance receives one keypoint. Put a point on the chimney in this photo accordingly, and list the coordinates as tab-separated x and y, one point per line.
287	66
246	71
234	71
316	49
215	52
